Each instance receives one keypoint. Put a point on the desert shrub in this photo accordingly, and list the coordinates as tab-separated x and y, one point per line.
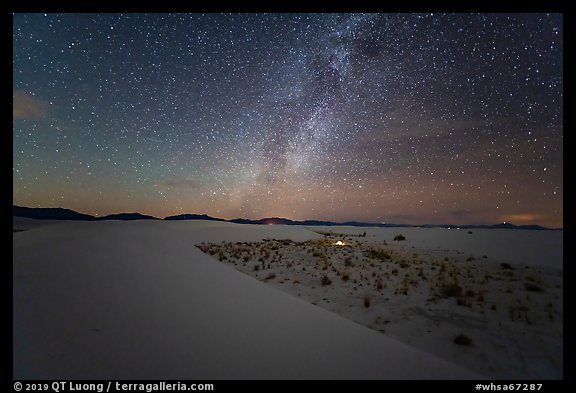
463	339
270	276
506	266
399	238
462	301
348	261
366	301
256	268
379	285
325	281
450	290
246	258
345	276
480	296
531	287
470	259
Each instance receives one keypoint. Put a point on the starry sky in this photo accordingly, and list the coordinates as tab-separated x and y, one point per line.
397	118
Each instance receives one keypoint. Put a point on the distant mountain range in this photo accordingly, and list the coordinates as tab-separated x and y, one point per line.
127	217
48	213
57	213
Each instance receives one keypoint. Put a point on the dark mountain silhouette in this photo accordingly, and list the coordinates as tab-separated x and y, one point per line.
66	214
286	221
318	223
49	213
193	217
127	217
277	221
267	221
243	221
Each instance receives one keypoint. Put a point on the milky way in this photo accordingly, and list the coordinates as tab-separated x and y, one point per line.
406	118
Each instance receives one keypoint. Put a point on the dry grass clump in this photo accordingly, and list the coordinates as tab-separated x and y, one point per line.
366	301
379	254
463	339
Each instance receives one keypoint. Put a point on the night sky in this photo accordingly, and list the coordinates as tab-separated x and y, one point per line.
398	118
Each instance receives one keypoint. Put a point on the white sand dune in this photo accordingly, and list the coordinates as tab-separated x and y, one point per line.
499	291
137	300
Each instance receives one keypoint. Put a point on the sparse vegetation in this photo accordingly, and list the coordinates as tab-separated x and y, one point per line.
379	254
399	238
372	276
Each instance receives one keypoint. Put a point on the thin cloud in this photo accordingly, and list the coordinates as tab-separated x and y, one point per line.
522	217
27	106
181	183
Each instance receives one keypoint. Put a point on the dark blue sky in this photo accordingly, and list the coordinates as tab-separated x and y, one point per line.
387	117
